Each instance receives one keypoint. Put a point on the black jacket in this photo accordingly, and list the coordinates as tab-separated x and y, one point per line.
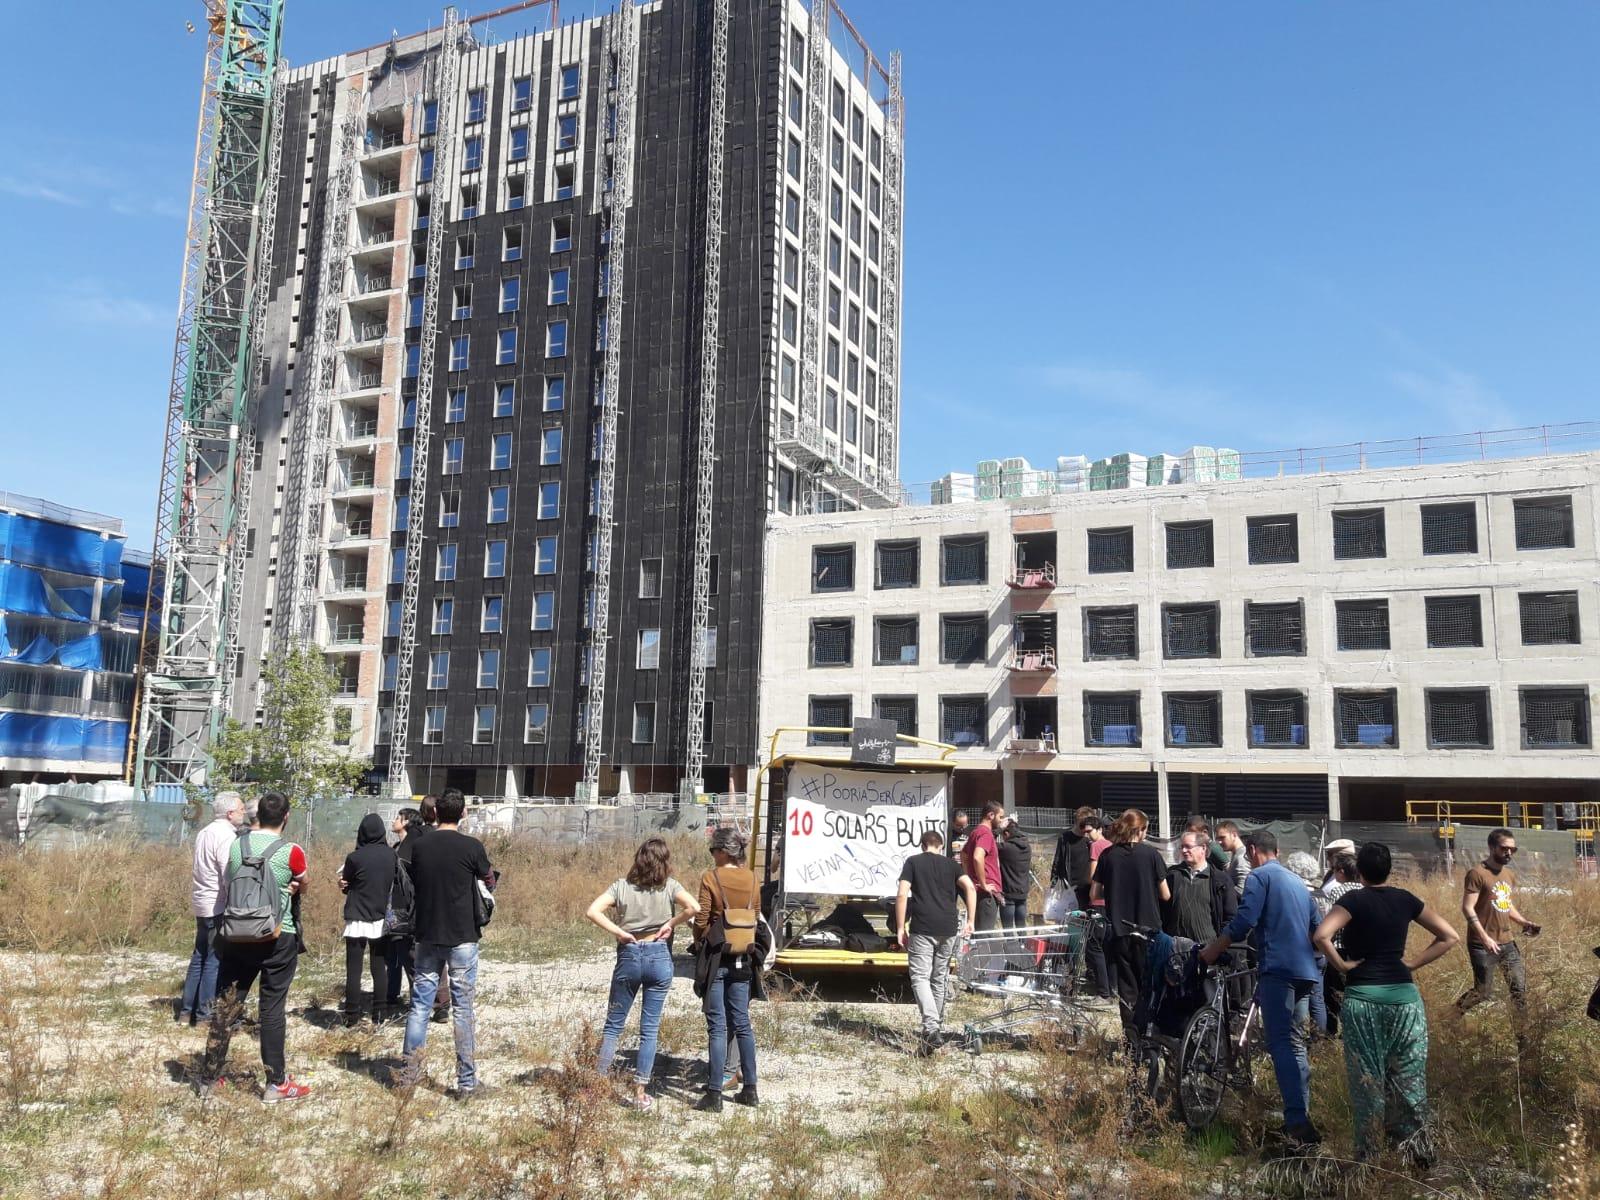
369	868
1071	863
1016	866
1222	901
708	958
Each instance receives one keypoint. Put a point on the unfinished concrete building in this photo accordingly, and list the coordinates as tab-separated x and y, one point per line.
1337	645
554	321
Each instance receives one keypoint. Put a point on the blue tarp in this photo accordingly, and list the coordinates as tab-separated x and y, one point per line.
135	587
39	651
72	739
39	543
84	654
25	590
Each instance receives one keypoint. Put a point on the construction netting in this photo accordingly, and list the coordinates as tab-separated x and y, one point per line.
1555	718
833	568
1275	629
1454	621
1543	522
965	560
832	642
1111	633
1359	534
898	564
963	720
1194	719
32	541
1110	550
1190	544
1277	718
1549	618
897	640
1274	539
902	710
1450	528
829	712
1459	717
1111	718
1365	718
1190	630
963	637
1362	624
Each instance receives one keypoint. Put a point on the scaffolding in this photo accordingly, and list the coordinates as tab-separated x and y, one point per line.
183	684
266	238
300	557
411	584
706	442
816	167
893	201
618	196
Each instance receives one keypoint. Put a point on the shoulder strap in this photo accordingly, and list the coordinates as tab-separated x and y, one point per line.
277	844
716	888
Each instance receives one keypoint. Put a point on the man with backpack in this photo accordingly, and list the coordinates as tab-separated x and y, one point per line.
447	868
258	936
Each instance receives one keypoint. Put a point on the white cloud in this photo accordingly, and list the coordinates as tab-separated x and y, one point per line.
1124	388
1459	399
61	180
30	190
93	302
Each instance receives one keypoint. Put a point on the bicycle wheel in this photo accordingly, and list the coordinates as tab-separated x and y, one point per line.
1201	1062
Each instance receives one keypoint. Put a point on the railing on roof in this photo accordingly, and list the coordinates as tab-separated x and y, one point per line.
1529	441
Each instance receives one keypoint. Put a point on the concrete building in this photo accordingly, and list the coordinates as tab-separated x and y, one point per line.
72	600
1331	644
526	402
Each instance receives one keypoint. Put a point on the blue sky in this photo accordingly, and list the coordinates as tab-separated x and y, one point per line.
1130	226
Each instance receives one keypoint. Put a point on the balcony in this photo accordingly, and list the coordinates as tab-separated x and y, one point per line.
355	531
347	581
1032	745
1032	659
1033	728
1029	578
374	282
357	431
1033	562
367	330
345	633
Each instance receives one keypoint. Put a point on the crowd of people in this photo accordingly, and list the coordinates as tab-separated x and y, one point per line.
1328	942
416	910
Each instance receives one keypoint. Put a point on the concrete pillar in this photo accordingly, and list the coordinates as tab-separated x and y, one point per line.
1335	804
510	790
624	782
1008	788
1163	802
1058	788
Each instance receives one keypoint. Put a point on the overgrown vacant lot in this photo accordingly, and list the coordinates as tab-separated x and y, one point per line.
94	1096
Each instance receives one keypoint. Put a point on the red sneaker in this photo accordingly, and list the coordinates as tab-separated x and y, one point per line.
287	1090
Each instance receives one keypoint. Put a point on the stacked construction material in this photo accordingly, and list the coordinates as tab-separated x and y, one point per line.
1072	473
1118	472
955	488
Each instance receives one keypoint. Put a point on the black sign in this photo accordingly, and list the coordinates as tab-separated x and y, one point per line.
872	742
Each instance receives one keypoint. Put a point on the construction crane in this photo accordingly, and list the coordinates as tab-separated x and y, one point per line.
189	643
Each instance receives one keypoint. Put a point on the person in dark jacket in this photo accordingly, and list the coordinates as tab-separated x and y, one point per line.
365	880
1016	875
1203	900
400	952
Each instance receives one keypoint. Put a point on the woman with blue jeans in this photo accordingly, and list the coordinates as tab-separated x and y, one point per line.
637	910
725	981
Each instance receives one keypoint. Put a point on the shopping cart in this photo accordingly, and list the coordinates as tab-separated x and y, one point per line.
1033	971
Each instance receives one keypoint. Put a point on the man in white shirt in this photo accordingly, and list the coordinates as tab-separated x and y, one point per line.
208	895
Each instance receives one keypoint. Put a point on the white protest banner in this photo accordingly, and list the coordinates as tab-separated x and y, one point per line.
848	833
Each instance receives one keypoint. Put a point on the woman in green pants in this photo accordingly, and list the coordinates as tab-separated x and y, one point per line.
1384	1024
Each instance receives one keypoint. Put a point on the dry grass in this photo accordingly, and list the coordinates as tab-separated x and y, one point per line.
90	1102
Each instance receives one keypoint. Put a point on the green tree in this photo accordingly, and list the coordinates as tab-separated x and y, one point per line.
294	752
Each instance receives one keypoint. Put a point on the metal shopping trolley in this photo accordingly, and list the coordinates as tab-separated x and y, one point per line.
1033	971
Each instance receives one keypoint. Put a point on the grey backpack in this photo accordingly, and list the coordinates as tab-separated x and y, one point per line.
254	911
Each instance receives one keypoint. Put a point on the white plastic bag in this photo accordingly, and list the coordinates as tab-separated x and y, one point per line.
1058	903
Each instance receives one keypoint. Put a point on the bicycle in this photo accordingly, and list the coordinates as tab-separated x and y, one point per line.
1218	1047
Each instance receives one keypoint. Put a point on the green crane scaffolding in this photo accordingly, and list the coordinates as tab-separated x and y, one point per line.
188	650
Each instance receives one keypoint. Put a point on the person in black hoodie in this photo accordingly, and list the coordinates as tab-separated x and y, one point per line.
400	952
366	878
1016	875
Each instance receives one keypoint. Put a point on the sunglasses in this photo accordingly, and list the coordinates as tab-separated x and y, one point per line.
1503	849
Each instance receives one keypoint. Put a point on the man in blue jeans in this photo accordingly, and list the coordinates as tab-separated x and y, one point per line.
208	893
446	867
1278	908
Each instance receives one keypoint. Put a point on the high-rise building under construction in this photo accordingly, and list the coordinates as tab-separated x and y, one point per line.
553	323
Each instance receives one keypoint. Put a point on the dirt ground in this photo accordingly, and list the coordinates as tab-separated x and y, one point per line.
113	1111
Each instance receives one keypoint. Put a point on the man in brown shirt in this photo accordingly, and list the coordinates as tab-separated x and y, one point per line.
1492	924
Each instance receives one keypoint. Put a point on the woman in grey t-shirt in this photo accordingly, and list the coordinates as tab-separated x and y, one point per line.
638	910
